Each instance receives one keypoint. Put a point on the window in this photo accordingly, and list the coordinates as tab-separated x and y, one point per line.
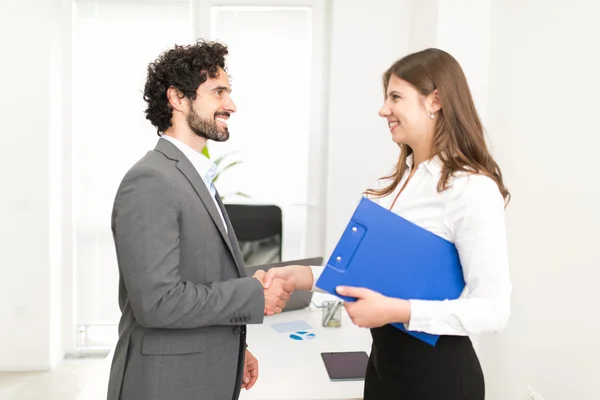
113	42
277	64
270	65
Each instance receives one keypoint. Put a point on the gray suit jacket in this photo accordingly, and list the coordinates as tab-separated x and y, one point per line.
184	293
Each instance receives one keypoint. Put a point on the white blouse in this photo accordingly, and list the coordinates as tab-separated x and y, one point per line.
470	213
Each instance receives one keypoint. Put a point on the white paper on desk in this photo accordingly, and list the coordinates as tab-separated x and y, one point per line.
298	325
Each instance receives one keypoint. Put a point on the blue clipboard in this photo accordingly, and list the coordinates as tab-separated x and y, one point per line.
384	252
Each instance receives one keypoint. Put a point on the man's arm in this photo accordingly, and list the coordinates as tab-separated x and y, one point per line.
146	234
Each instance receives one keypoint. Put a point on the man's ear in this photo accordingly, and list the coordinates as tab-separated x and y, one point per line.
435	102
176	100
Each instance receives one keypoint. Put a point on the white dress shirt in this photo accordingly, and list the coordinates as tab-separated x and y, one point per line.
205	168
470	214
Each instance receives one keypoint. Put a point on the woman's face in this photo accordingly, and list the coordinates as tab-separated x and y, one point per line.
408	113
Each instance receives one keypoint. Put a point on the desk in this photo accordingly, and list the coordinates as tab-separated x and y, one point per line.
288	369
291	369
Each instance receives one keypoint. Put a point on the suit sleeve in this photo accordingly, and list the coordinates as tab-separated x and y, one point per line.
146	234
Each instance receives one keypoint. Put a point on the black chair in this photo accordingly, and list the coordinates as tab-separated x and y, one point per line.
259	231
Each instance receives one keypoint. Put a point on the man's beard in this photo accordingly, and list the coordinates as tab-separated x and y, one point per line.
206	128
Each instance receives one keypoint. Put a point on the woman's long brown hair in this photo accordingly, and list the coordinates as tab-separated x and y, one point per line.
458	140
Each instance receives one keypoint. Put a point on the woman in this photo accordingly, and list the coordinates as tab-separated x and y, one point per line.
447	182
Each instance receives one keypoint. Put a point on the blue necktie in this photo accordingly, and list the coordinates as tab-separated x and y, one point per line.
210	176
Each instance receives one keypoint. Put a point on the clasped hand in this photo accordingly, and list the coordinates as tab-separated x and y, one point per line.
277	293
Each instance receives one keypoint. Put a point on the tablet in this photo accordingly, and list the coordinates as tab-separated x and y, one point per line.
346	365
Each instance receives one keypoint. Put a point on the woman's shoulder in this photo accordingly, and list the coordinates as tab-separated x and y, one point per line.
375	186
473	187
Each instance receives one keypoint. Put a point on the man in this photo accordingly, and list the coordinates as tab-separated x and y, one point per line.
184	293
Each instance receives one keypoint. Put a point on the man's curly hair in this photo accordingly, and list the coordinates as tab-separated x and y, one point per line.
183	68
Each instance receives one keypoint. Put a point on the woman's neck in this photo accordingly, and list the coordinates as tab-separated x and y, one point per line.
421	155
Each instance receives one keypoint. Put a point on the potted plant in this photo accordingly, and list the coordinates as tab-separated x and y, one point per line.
222	166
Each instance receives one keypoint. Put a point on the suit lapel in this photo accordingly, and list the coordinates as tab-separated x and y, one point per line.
187	169
237	254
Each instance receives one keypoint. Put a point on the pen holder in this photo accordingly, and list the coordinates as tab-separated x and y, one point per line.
332	314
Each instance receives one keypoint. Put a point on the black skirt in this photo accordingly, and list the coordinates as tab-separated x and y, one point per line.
402	367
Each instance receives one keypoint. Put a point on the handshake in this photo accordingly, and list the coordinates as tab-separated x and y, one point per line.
279	285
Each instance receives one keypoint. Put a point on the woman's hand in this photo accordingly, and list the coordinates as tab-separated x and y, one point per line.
298	275
372	310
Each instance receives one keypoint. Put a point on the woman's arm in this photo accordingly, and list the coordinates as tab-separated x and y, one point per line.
476	218
303	277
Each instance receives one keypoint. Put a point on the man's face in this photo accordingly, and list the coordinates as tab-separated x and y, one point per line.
211	109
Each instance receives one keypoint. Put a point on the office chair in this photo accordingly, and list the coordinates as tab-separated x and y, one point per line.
258	229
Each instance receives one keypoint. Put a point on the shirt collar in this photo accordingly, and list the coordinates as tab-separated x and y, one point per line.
433	165
205	167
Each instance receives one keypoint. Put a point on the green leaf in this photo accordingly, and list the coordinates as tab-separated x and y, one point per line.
225	168
205	152
241	194
220	159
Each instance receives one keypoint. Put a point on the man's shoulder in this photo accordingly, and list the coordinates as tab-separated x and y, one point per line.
150	171
152	162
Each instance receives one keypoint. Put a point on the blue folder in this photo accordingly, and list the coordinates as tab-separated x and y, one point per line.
384	252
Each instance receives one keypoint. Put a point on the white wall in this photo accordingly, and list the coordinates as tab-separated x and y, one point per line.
463	30
59	174
30	290
422	24
366	38
360	146
545	60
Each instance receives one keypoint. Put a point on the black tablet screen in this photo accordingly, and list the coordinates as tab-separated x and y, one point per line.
347	365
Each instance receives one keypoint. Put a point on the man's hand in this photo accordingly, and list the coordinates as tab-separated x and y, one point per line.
277	294
260	275
250	371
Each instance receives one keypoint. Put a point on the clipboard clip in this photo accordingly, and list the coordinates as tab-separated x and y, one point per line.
351	238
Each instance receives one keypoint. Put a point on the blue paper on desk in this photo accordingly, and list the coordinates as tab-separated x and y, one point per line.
298	325
386	253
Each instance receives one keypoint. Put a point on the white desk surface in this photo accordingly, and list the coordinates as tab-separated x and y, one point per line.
292	369
288	369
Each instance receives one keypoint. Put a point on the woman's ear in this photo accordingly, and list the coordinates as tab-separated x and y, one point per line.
176	99
435	103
